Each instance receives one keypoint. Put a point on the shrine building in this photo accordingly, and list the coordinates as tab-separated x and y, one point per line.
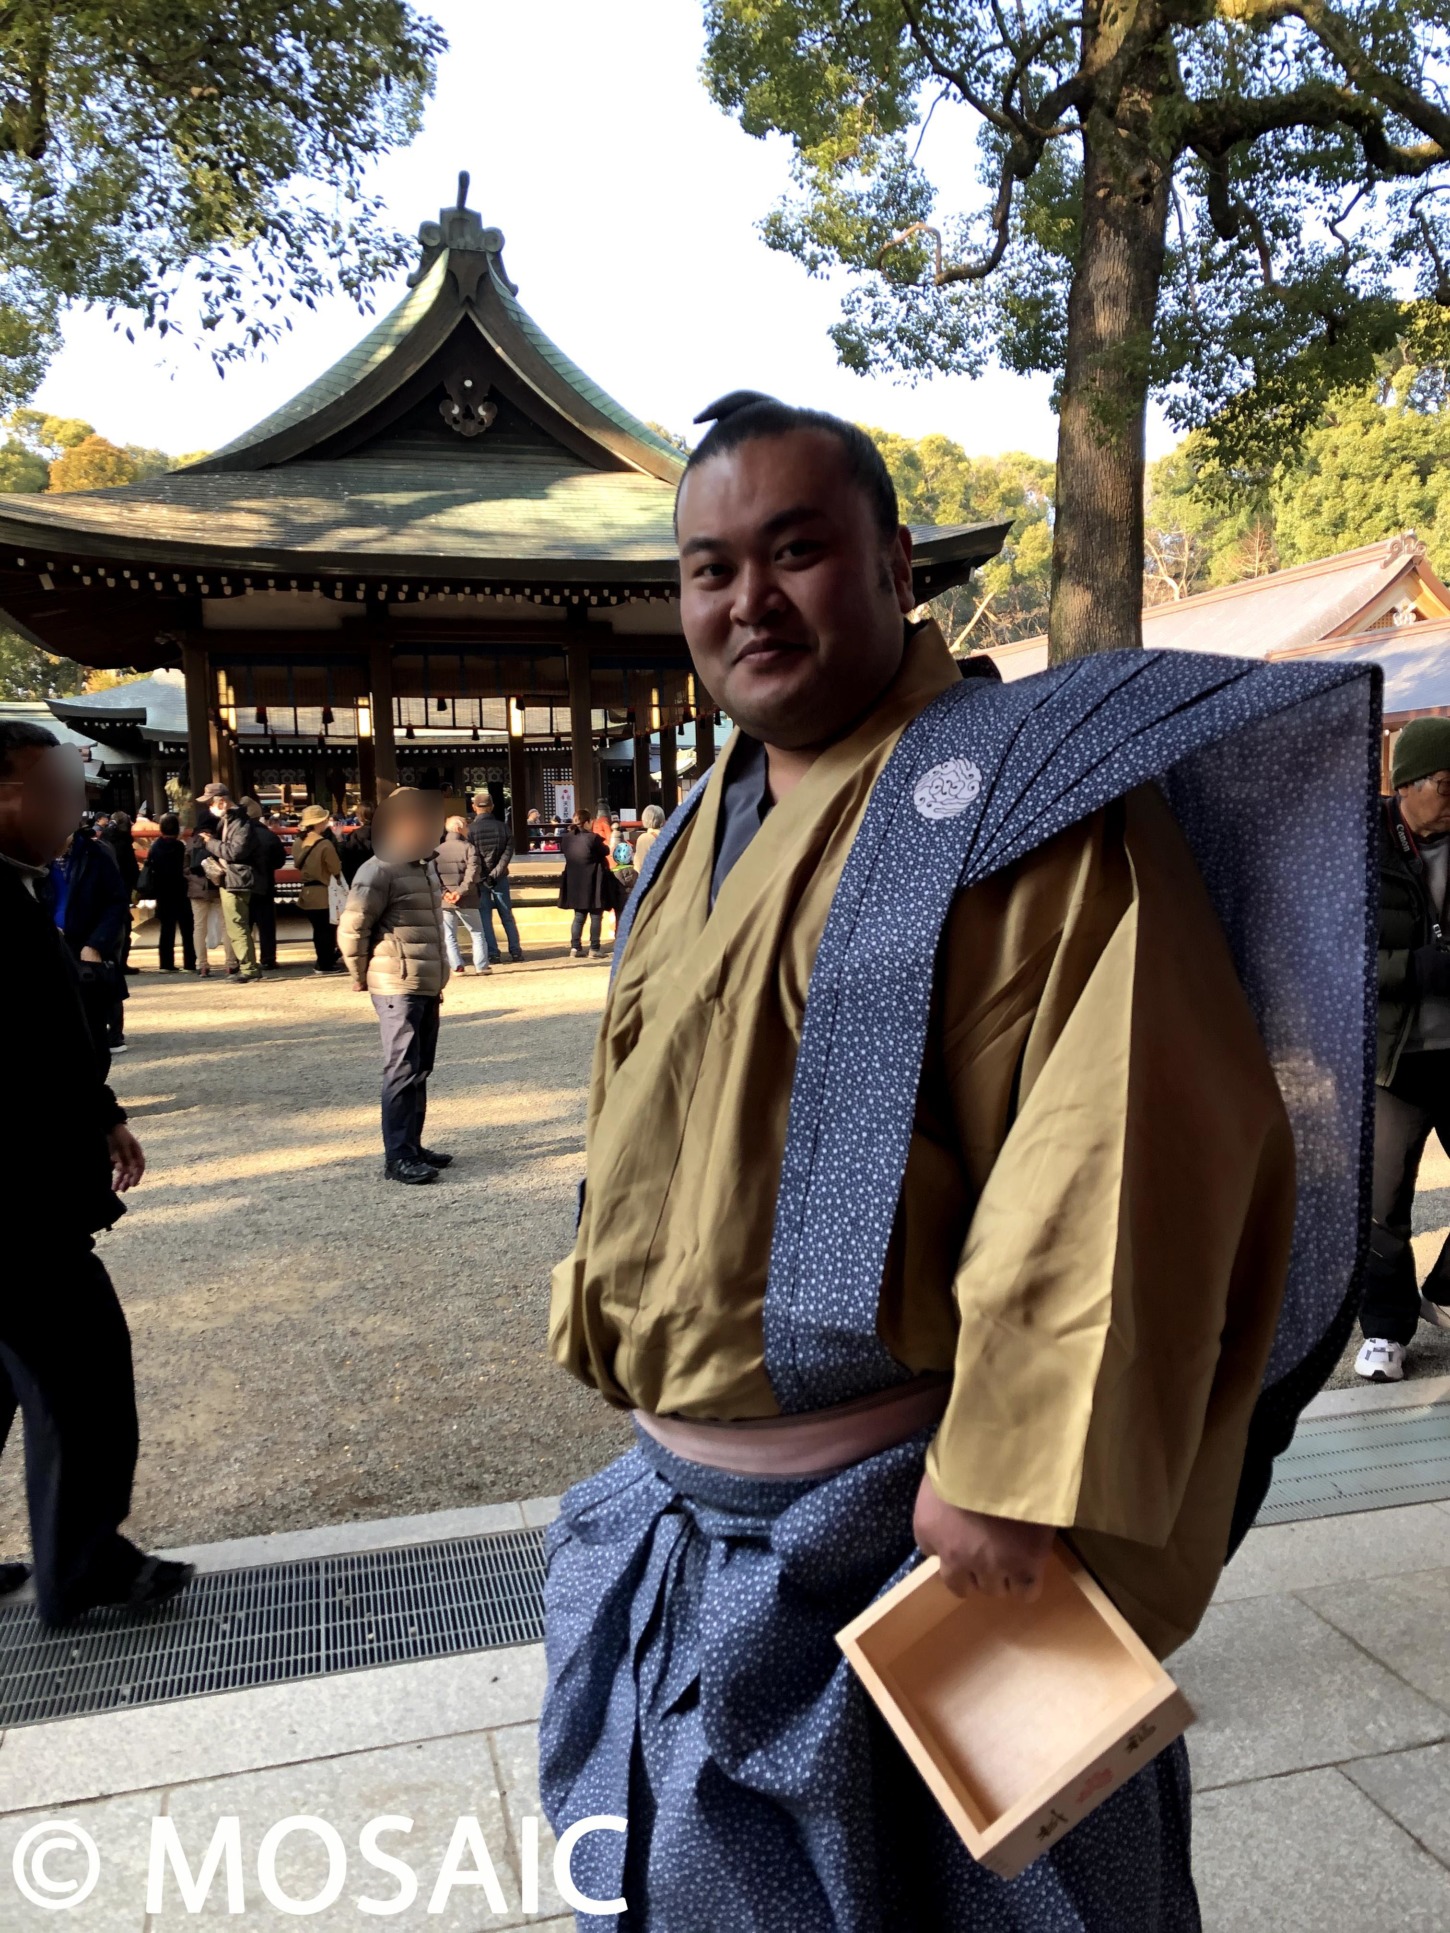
449	561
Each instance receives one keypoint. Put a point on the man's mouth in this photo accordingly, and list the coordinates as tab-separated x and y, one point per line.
761	652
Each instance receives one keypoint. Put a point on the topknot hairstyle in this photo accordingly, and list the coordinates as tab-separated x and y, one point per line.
744	415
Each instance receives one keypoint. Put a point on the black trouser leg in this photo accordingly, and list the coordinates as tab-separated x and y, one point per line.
1417	1100
324	936
264	918
409	1024
426	1024
596	931
173	916
65	1353
576	928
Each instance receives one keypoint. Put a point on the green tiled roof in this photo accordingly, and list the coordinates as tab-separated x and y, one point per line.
520	507
584	385
375	348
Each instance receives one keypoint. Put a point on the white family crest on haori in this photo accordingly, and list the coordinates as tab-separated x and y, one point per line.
947	789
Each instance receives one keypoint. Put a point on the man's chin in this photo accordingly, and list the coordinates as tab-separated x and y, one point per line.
781	710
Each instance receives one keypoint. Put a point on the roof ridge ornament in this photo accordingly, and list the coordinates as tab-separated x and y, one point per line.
460	231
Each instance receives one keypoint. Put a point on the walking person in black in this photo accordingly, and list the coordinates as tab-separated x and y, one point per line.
66	1155
494	844
91	907
587	887
355	848
163	878
1413	1063
269	856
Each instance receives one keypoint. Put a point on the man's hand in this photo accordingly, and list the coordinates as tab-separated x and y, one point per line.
995	1555
128	1164
358	986
451	899
90	955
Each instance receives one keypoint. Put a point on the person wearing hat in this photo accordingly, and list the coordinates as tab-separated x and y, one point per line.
315	855
1413	1058
233	848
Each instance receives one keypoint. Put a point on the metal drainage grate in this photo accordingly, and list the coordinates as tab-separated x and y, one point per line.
232	1629
1342	1463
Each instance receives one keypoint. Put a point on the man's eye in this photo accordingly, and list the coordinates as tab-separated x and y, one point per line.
713	569
799	548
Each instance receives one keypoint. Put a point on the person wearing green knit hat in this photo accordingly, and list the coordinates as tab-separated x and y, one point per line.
1413	1064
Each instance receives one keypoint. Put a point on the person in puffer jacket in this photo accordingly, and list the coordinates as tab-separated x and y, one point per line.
391	938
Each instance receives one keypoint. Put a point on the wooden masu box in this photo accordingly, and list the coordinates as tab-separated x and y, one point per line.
1020	1717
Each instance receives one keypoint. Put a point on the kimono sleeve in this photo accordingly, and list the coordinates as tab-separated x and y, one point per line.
1122	1272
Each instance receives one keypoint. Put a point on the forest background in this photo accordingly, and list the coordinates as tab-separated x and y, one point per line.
1377	464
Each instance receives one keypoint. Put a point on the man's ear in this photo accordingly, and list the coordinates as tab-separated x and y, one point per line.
901	578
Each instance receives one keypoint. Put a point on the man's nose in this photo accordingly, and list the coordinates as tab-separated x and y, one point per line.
757	595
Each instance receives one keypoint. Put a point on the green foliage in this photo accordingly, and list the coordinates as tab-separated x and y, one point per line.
938	483
28	672
1374	466
93	464
219	143
1376	463
1305	147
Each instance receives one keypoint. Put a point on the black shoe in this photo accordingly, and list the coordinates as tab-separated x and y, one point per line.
154	1583
434	1159
515	959
170	969
12	1576
158	1581
413	1172
576	953
596	952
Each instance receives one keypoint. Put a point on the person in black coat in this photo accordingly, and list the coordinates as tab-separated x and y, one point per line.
269	856
93	909
66	1155
163	878
586	886
355	848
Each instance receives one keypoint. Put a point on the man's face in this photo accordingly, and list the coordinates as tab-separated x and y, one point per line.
41	800
1426	805
408	825
791	598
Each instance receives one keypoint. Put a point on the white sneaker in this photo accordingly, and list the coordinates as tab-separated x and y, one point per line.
1435	1313
1380	1361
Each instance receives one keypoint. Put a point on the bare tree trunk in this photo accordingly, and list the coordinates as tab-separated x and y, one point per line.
1097	547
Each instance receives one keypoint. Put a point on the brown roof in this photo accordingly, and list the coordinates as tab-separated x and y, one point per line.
1263	616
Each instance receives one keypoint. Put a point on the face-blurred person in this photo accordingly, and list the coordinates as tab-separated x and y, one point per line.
391	936
408	825
66	1156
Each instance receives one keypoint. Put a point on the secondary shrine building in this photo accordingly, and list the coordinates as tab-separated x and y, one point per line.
447	562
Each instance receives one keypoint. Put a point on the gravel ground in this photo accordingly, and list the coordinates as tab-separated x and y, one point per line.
314	1345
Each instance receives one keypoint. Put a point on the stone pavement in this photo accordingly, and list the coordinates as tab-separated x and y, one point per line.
1321	1677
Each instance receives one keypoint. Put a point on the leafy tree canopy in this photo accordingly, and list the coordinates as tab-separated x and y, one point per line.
226	137
1376	463
28	672
94	464
1237	204
938	483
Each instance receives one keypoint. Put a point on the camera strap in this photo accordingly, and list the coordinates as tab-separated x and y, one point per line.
1410	848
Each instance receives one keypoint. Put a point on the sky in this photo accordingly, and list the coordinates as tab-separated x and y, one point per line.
631	206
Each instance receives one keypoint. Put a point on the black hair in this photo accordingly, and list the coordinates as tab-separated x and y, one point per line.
168	825
18	736
746	414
